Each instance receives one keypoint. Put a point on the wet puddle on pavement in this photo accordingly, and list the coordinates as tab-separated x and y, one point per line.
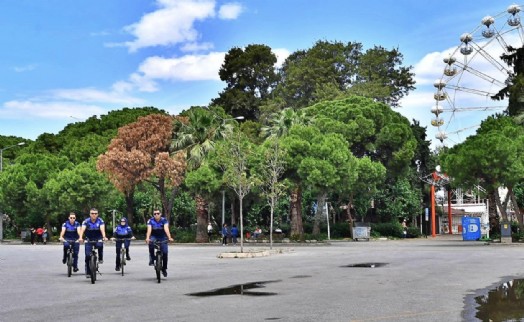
504	303
239	289
366	265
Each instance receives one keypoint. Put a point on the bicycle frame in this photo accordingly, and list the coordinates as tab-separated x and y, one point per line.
158	258
93	261
70	253
122	253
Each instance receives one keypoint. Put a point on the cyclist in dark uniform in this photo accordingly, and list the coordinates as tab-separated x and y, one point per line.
71	231
122	231
158	230
94	229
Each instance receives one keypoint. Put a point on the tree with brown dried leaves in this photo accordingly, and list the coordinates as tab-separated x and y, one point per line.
141	152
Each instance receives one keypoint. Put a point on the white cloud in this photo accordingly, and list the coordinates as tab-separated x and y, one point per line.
26	68
48	110
171	24
117	96
281	54
63	103
196	47
230	11
185	68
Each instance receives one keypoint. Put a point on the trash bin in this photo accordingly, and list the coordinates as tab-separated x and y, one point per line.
505	230
471	228
361	230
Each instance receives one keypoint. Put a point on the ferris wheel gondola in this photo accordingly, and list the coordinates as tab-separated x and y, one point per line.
473	73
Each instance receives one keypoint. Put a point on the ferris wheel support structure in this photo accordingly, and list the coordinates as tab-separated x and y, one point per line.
474	72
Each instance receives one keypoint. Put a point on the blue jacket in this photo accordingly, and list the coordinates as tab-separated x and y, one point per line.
157	227
71	232
123	231
92	231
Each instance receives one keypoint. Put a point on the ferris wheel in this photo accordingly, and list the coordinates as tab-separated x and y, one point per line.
472	73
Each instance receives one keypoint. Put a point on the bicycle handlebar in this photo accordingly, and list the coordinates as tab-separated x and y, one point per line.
94	241
122	239
158	242
69	240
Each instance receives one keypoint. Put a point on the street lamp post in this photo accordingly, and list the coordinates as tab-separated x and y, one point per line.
2	154
1	169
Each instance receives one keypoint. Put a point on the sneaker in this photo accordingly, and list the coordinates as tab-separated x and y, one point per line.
75	269
164	272
117	268
101	262
151	263
88	275
128	258
63	261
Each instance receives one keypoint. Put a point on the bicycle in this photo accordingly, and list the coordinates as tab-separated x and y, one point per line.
69	256
93	260
123	253
159	255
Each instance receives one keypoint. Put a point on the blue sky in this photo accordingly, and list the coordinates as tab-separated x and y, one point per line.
64	61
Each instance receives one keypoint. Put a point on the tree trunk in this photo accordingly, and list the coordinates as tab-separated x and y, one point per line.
295	209
201	214
130	206
350	218
516	208
494	222
233	212
321	200
500	206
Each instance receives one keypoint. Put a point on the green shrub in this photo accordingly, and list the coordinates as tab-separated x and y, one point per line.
413	232
185	236
393	229
340	230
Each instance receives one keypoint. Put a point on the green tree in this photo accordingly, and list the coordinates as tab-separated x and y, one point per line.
380	75
491	158
279	126
77	189
196	133
22	190
326	163
514	90
250	76
371	129
331	70
269	171
233	157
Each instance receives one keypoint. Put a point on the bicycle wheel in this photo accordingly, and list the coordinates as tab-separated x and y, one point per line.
158	265
122	260
69	263
92	268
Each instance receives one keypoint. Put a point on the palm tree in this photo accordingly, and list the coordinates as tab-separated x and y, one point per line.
281	122
196	134
279	125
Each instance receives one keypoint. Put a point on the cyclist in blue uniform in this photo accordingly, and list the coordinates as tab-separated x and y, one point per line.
158	230
122	231
71	231
94	229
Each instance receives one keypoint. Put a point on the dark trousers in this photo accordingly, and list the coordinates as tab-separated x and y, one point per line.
88	247
76	249
164	249
119	249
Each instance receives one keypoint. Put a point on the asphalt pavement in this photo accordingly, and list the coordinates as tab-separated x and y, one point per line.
433	279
